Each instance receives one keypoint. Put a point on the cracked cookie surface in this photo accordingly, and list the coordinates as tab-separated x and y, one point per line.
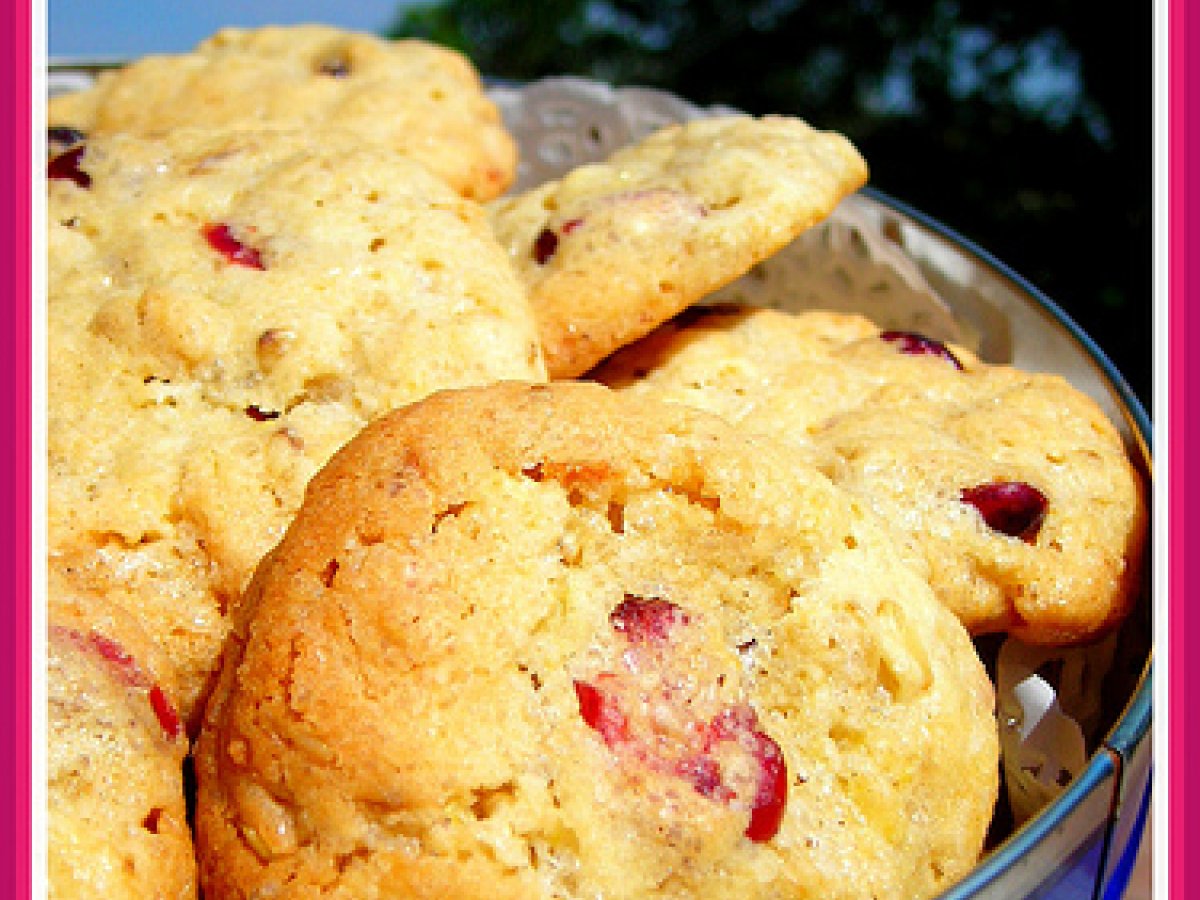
549	641
1012	491
613	249
225	309
409	96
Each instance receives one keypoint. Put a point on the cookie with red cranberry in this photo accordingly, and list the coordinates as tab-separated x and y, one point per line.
1014	493
552	641
116	819
613	249
411	96
224	311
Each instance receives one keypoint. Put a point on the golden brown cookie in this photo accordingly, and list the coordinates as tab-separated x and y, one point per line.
411	96
1012	490
613	249
551	641
116	818
225	310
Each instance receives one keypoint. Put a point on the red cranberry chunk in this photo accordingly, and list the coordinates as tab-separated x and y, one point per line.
258	414
766	813
1010	507
601	713
221	239
915	344
65	166
114	653
649	715
646	618
544	246
153	819
740	724
167	717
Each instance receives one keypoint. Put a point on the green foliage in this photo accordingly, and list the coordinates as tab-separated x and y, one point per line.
1025	126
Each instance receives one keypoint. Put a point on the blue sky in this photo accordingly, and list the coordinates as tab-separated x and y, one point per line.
132	27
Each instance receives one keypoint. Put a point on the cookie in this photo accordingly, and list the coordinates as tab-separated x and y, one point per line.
615	248
552	641
411	96
1012	490
116	819
224	311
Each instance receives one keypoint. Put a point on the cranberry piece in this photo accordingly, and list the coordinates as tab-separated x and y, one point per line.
684	751
110	651
221	239
165	712
545	246
602	714
766	813
65	166
1010	507
915	344
646	618
258	414
740	724
153	819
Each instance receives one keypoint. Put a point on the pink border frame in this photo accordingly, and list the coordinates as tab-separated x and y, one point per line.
15	484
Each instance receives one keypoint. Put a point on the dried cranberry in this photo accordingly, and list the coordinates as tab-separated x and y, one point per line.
114	653
646	618
690	754
165	712
766	813
258	414
1010	507
153	819
740	724
221	239
65	166
915	344
601	714
544	246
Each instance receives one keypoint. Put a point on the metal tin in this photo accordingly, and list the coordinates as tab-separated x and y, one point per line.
922	275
